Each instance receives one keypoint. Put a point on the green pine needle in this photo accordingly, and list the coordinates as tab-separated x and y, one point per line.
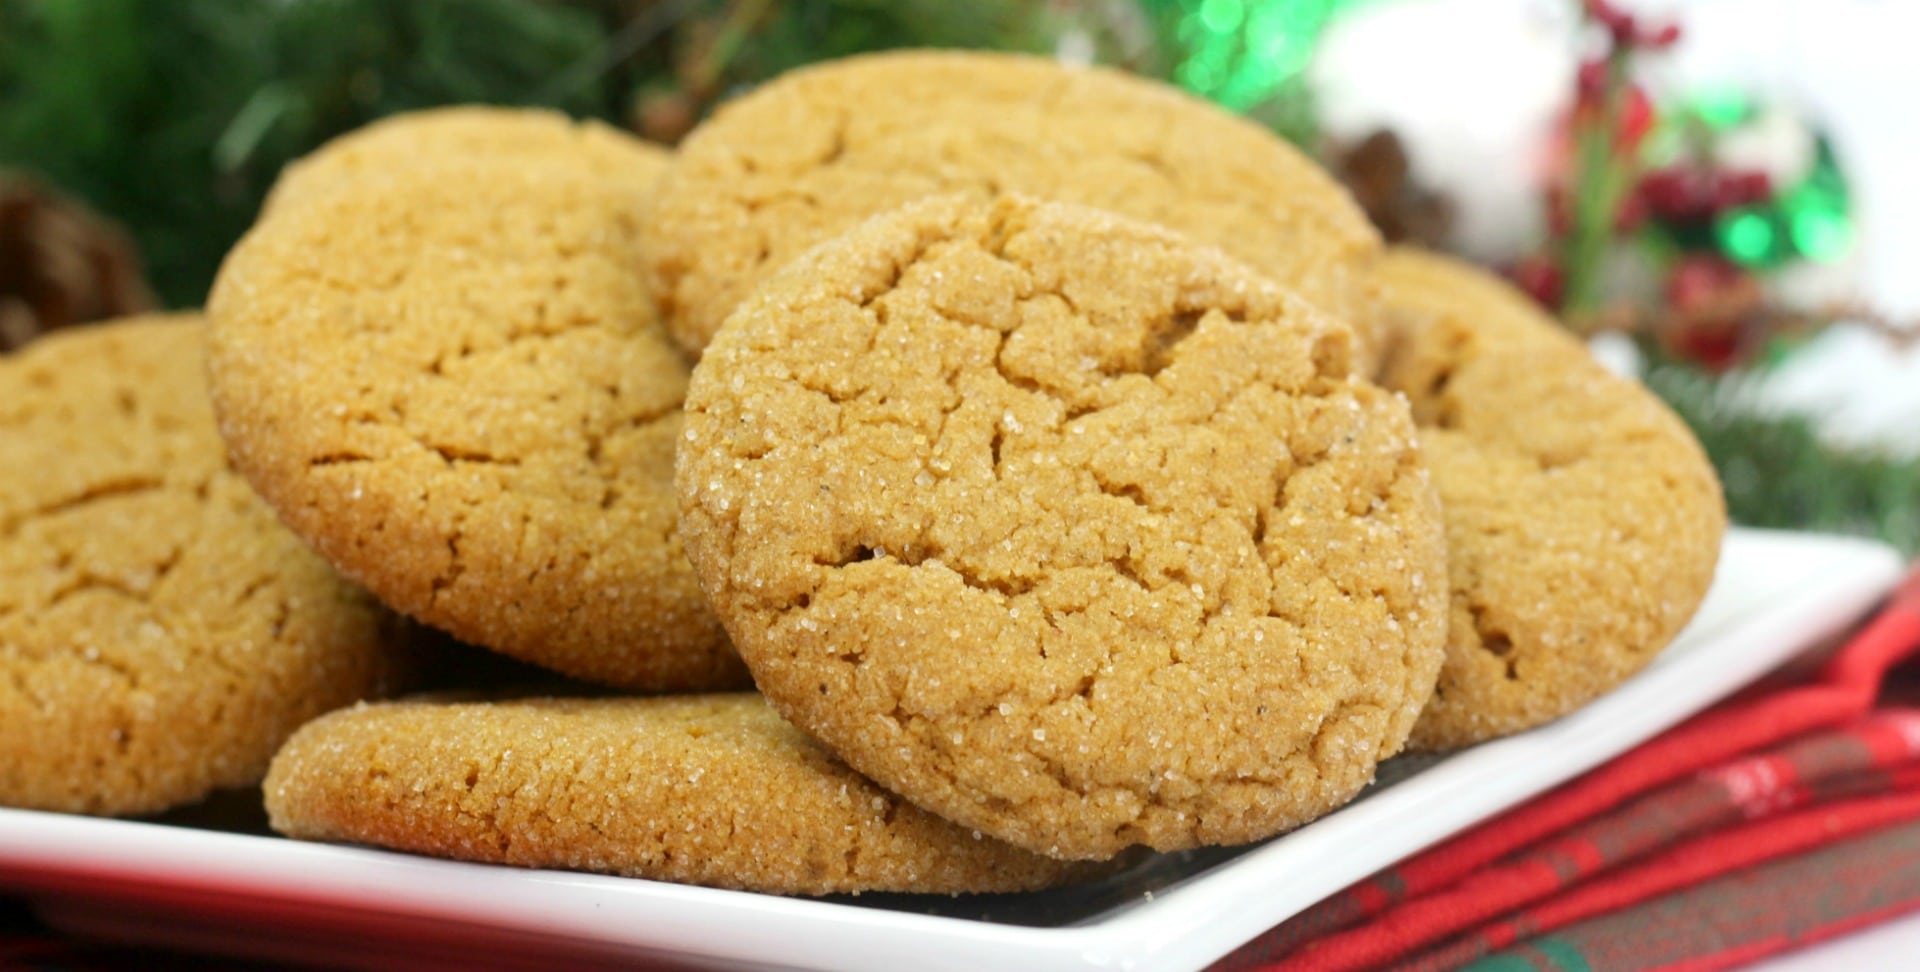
173	117
1779	473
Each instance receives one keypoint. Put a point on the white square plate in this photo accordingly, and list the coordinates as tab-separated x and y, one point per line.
1775	595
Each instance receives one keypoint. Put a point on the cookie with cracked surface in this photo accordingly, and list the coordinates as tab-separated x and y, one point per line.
816	151
1583	521
160	633
467	131
1065	527
449	380
714	790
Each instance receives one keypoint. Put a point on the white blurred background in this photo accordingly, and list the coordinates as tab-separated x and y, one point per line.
1474	86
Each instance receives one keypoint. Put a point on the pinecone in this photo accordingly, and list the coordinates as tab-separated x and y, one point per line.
1375	169
60	264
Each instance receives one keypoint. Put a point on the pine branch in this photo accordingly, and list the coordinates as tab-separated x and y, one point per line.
1779	473
174	116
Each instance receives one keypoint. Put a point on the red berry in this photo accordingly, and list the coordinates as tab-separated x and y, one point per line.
1636	120
1711	306
1665	193
1636	115
1631	215
1617	22
1559	211
1661	38
1658	189
1679	195
1541	278
1602	10
1715	348
1591	82
1698	278
1745	188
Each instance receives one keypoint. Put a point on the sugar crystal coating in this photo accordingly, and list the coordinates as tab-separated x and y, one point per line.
160	632
713	790
432	136
1583	520
449	379
812	153
1065	527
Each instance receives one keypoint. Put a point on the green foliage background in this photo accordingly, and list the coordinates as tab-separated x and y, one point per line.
173	117
1778	473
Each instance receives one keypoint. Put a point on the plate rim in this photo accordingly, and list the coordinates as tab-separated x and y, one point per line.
1181	927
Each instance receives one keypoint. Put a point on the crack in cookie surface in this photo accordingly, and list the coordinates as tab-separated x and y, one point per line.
160	632
714	790
1583	521
448	377
811	154
1068	528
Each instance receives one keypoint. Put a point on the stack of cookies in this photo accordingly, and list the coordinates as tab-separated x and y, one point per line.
1061	459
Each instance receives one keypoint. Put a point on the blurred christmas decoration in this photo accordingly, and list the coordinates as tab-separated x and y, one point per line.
1472	89
709	49
1594	199
1691	225
1250	55
1668	221
60	264
1672	223
1732	196
174	116
1376	170
1780	471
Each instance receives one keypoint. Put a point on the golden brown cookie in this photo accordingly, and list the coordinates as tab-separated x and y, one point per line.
712	790
449	380
1066	528
160	633
816	151
523	135
1583	520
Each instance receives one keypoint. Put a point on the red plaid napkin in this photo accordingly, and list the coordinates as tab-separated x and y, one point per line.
28	946
1782	817
1788	815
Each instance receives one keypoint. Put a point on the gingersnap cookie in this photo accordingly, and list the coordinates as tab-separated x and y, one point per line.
713	790
1583	521
434	135
1066	528
816	151
449	380
160	633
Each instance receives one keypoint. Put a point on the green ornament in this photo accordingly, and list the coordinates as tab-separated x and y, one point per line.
1249	55
1752	236
1818	211
1721	109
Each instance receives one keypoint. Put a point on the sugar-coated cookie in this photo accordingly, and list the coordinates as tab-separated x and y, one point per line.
160	632
814	152
1583	520
712	790
435	135
448	378
1065	527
